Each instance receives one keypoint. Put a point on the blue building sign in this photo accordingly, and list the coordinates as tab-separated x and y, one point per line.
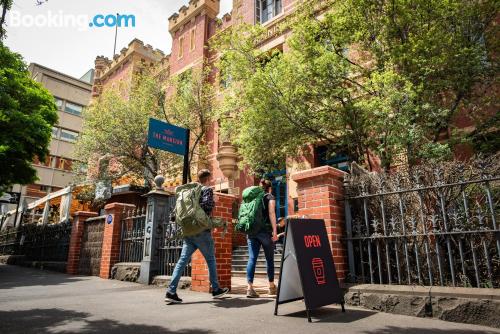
167	137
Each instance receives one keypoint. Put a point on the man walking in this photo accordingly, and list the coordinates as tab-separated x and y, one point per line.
194	205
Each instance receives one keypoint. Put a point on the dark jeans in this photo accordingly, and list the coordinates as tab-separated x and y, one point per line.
254	243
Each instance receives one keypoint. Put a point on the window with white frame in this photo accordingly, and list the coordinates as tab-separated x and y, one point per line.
267	9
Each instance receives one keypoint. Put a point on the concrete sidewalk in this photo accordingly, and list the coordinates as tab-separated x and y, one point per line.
33	301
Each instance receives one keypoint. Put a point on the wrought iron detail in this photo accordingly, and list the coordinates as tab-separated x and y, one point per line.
435	225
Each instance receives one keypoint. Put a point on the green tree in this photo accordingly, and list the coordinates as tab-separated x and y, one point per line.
27	114
116	126
350	80
190	103
5	7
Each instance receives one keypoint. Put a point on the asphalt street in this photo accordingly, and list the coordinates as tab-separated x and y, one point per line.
34	301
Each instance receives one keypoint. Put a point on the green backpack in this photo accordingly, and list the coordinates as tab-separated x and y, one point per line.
251	214
188	212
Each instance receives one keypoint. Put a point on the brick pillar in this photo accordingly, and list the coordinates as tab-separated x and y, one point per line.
75	241
223	248
112	235
321	194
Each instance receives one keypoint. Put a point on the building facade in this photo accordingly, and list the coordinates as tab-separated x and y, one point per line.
71	96
191	29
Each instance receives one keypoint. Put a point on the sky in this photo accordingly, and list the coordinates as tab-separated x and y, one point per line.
56	33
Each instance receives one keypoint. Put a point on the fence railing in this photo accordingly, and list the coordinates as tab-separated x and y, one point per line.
132	236
169	244
170	248
427	227
37	242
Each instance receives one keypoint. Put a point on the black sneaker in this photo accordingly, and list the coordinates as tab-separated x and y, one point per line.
219	293
172	298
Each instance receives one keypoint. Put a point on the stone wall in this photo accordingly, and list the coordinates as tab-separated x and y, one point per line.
464	305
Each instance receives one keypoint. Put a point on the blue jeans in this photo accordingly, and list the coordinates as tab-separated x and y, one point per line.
254	243
205	244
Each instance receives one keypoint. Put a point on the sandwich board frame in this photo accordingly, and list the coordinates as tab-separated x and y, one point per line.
309	274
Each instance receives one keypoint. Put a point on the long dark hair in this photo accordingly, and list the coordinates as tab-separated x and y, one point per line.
265	184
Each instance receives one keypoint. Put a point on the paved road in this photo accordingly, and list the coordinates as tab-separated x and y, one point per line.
33	301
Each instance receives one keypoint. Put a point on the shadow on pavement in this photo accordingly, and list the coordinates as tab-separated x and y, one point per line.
230	302
15	277
332	315
45	321
416	330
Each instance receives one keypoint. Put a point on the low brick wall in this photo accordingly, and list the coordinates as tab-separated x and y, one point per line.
223	249
321	194
464	305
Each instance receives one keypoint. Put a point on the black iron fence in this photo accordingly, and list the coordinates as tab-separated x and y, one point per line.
132	235
37	242
169	243
435	225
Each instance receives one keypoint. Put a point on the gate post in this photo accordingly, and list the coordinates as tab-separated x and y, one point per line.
223	248
75	241
111	239
321	196
157	211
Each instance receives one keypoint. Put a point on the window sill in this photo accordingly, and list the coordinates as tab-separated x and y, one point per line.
273	20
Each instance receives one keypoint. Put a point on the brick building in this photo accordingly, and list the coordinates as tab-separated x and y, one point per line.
191	29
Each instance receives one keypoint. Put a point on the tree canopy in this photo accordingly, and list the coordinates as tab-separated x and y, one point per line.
362	78
27	114
116	125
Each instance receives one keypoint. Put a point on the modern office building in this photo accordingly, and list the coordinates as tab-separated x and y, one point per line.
71	96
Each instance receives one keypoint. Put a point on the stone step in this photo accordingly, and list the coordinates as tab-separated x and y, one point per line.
257	268
260	274
259	262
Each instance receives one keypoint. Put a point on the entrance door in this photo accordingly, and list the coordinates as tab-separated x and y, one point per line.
280	192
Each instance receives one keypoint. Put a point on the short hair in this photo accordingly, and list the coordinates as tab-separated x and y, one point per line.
265	184
204	175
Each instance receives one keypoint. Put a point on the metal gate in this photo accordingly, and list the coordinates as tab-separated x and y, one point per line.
169	243
90	255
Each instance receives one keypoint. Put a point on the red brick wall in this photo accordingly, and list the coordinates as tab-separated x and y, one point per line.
75	242
320	193
111	239
223	249
189	56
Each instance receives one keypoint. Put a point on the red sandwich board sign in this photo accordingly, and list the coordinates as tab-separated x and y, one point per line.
307	268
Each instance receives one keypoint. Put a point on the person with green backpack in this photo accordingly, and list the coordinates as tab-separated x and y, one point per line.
193	207
257	218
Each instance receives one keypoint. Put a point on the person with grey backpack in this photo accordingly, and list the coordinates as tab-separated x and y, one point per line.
193	207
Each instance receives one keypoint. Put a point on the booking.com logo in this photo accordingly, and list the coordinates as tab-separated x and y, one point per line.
112	20
60	19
